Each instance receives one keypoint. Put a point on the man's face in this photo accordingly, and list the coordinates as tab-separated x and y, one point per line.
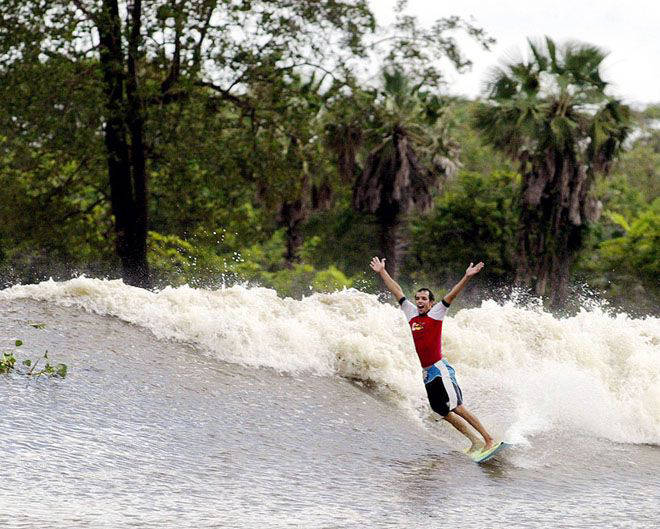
423	302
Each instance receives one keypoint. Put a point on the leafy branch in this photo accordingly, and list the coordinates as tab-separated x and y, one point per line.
8	365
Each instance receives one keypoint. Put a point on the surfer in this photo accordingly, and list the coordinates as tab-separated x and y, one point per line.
425	320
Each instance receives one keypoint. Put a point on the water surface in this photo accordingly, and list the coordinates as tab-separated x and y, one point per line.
155	427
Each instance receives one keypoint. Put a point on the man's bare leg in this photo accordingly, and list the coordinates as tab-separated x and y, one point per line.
463	412
462	427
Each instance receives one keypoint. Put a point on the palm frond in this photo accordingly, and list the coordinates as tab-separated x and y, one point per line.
500	85
547	101
582	63
541	59
554	66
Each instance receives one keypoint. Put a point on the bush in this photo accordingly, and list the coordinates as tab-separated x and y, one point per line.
175	261
625	262
473	220
638	249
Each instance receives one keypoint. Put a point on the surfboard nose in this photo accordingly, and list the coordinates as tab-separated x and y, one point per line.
485	455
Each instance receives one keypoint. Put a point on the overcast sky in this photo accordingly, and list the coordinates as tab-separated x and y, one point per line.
628	29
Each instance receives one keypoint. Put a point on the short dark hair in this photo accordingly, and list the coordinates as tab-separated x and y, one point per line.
431	296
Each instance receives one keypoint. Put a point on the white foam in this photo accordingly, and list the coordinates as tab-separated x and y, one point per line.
594	373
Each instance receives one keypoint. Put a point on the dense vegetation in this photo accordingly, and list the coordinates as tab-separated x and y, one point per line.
209	142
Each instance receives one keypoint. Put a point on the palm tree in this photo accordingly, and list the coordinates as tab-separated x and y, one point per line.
551	114
411	157
294	175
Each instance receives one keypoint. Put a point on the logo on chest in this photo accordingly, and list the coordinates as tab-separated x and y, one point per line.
416	326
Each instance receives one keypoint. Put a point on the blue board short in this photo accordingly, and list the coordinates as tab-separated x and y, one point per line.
442	389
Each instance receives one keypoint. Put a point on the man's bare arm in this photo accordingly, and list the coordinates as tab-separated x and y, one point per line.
378	266
472	270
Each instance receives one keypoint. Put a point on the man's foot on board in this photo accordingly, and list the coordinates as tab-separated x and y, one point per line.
489	444
475	447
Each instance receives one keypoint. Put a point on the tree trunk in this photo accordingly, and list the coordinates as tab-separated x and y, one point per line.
125	168
524	275
138	271
554	204
391	242
292	215
570	240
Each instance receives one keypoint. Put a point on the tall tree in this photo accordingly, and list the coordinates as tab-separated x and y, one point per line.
124	135
156	53
289	162
394	143
412	156
551	114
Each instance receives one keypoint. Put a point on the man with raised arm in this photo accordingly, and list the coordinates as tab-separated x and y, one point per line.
425	319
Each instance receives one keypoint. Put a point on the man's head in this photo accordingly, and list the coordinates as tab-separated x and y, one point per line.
424	300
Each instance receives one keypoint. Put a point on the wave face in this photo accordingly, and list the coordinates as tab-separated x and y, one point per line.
522	369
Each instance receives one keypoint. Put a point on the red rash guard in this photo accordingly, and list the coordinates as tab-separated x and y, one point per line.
426	330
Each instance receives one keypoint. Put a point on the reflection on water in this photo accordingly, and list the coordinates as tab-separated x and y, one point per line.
146	433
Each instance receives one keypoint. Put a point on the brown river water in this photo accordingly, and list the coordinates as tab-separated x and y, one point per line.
234	408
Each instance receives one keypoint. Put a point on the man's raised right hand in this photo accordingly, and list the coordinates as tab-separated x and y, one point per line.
377	265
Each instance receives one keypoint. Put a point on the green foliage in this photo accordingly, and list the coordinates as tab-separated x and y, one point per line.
284	121
638	249
473	220
621	256
8	365
52	166
624	258
553	101
176	261
551	115
262	265
304	279
475	155
58	87
330	280
7	362
170	257
340	237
